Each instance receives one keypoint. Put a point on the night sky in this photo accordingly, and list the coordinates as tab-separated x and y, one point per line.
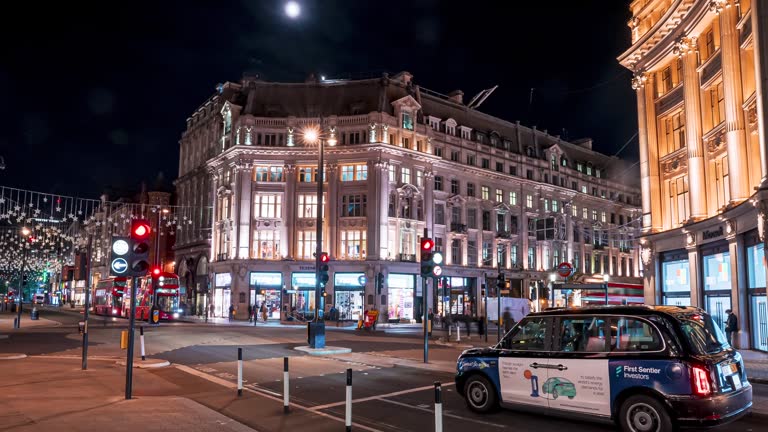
95	98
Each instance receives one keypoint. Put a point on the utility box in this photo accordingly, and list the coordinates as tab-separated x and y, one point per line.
316	334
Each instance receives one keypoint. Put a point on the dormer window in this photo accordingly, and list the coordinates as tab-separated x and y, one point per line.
563	161
529	151
227	121
579	167
597	173
589	169
407	121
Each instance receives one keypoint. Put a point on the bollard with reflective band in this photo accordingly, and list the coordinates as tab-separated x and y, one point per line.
239	371
458	332
348	414
124	339
286	385
141	337
438	407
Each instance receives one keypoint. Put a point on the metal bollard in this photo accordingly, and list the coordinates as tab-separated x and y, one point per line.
348	416
239	371
438	407
458	332
15	323
141	337
286	385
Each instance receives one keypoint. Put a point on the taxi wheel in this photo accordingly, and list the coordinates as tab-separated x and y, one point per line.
555	394
480	394
644	414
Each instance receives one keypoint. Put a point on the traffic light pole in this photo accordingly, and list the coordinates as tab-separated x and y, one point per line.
424	310
87	301
131	326
21	283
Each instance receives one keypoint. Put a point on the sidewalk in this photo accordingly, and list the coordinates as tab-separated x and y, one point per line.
93	400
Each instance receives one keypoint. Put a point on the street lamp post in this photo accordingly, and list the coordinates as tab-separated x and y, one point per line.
25	232
313	136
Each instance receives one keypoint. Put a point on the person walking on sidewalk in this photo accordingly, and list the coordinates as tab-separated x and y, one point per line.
250	313
731	326
231	312
264	311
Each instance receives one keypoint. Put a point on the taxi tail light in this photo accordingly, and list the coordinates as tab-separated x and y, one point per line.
700	381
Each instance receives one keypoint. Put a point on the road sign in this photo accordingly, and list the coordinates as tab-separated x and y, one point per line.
119	265
362	280
120	247
565	269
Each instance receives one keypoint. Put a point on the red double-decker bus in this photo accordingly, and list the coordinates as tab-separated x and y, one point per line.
108	296
159	290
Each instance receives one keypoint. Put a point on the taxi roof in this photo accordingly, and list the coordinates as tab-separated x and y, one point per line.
621	309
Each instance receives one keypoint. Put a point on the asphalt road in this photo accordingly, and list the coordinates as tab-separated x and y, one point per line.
386	398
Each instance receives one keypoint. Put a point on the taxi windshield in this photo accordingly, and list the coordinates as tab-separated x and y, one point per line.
704	336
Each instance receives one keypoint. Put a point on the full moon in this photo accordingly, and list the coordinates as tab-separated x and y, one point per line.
292	9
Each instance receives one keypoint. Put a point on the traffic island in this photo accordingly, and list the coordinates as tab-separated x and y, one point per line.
147	364
12	356
323	351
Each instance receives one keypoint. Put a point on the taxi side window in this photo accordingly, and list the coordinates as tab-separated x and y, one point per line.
530	335
630	334
582	334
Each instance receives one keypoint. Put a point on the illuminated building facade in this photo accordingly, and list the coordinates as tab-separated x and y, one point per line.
495	195
700	76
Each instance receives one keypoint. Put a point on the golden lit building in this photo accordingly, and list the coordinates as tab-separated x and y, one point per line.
700	75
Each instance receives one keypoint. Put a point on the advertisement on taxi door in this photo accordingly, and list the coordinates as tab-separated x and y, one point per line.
567	384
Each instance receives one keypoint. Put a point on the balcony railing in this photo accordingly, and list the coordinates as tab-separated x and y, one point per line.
459	228
407	257
503	234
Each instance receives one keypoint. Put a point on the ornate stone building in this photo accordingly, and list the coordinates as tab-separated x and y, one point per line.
700	76
493	194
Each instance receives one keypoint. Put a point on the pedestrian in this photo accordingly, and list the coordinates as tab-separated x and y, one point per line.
250	313
731	326
231	311
264	311
509	322
481	325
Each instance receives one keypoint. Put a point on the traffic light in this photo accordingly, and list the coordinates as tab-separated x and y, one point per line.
139	256
120	251
427	247
501	283
155	271
323	270
380	282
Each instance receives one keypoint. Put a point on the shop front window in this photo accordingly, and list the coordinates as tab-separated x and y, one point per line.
757	292
400	296
676	286
717	285
266	244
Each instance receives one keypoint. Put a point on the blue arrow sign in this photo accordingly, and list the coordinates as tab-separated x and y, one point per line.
362	280
119	265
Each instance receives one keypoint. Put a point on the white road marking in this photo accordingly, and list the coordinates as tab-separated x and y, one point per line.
445	414
402	392
224	383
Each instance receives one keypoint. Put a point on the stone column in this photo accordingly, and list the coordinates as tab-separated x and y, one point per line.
215	217
649	156
373	212
686	48
383	216
734	115
429	202
760	43
332	210
289	215
696	276
243	215
234	235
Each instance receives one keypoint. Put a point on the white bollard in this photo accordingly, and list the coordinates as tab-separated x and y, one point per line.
239	371
449	331
143	353
286	385
348	416
458	332
438	407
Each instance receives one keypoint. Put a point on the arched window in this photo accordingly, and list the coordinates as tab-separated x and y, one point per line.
227	121
563	161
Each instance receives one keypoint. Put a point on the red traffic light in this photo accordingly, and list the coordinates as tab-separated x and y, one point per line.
324	258
427	244
140	229
156	271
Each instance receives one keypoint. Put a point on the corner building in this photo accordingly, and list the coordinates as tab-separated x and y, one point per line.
493	195
700	76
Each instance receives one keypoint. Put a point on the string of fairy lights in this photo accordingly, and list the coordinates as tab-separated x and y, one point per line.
50	227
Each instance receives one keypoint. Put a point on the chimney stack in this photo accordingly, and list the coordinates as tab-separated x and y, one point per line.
457	96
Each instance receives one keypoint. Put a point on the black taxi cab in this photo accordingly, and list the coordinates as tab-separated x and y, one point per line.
647	368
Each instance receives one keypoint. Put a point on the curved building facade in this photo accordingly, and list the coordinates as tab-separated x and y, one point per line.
700	75
494	195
